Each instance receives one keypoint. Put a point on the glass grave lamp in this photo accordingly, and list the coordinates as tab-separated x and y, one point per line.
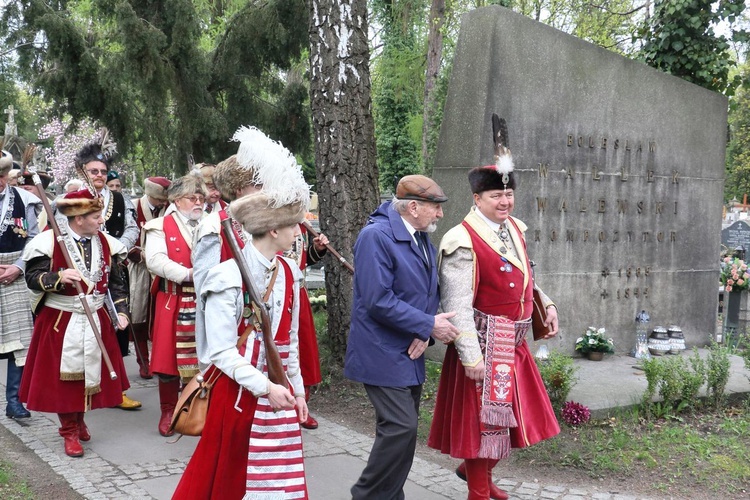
640	351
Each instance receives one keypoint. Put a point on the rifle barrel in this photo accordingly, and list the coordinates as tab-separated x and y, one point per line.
273	359
333	251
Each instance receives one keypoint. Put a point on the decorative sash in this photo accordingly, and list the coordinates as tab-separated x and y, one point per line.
497	336
179	251
81	357
187	358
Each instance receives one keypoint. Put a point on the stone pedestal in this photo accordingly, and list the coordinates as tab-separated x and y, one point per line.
737	316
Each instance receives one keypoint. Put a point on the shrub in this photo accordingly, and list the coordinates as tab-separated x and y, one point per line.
558	374
718	373
676	381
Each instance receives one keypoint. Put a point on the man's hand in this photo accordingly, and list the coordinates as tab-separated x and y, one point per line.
69	276
280	398
301	406
320	242
443	330
9	274
475	372
122	321
135	255
552	322
416	348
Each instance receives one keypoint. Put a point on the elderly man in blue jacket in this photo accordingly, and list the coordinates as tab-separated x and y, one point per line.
394	316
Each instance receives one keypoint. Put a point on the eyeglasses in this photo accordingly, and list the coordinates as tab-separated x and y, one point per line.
195	199
95	171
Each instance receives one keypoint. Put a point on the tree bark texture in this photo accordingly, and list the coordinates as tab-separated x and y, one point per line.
434	56
343	125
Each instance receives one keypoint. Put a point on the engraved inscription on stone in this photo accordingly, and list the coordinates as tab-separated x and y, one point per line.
736	235
619	172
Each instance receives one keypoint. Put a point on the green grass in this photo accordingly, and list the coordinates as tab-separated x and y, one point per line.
429	390
12	488
711	449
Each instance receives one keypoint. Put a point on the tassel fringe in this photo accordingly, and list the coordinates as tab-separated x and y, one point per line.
498	417
495	447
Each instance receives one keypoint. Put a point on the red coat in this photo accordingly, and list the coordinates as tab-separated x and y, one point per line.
309	357
455	426
41	387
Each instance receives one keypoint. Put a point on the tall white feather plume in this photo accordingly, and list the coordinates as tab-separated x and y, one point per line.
275	167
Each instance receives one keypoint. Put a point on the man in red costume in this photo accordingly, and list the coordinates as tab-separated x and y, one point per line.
65	373
491	397
307	252
169	243
150	206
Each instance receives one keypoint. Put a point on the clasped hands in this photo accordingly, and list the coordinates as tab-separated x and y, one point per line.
9	273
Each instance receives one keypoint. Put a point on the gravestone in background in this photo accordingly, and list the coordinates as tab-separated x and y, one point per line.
736	235
620	171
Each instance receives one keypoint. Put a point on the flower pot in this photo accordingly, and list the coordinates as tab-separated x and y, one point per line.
596	356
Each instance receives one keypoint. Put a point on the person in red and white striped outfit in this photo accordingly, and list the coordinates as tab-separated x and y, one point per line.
251	443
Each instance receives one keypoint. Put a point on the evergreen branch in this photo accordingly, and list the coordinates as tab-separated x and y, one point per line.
13	49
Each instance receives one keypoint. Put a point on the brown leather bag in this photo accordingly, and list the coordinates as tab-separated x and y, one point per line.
192	406
538	317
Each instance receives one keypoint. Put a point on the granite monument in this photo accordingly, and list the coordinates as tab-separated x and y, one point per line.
620	173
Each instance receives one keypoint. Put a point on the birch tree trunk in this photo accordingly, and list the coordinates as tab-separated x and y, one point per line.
344	143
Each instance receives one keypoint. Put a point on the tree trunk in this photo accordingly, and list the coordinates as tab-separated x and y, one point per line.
344	143
434	56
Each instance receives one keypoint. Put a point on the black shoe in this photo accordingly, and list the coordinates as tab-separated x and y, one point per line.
16	411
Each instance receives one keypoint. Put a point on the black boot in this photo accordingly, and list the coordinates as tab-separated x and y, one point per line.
14	409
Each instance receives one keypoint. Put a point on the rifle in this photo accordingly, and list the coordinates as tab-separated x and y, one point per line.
273	359
59	236
333	251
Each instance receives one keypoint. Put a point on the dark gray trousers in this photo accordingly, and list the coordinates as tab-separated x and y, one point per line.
397	412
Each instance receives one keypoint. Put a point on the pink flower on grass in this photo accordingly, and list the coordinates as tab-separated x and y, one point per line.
575	414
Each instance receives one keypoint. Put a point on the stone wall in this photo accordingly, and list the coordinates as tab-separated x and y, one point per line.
620	173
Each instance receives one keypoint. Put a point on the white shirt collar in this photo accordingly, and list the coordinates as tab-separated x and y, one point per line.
260	257
409	228
73	234
185	220
493	225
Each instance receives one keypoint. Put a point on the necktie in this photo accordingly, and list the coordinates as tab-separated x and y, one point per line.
209	207
192	223
422	244
155	212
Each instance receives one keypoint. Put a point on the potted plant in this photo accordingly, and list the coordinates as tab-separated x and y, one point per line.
594	344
